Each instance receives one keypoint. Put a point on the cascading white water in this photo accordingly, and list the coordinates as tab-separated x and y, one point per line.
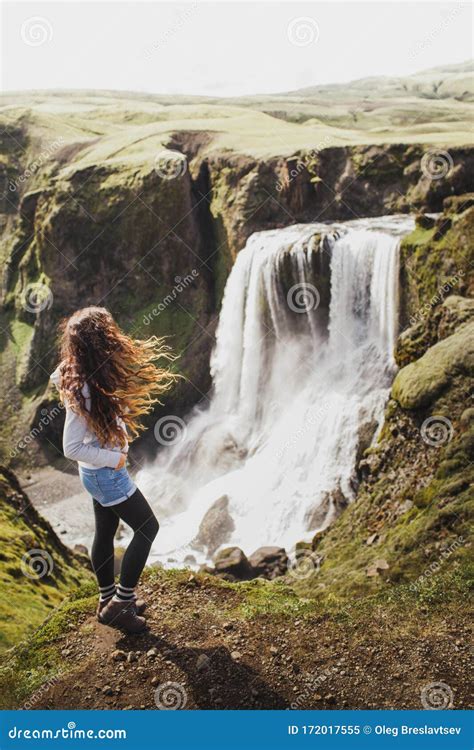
301	368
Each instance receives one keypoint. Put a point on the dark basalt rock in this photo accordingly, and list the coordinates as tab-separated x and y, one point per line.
231	561
269	562
216	526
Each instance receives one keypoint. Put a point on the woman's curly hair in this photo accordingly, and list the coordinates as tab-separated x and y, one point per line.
124	376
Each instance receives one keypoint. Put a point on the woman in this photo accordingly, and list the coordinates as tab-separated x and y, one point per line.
107	381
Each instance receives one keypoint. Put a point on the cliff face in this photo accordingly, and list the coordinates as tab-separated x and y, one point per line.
131	242
410	521
156	247
390	577
36	570
325	184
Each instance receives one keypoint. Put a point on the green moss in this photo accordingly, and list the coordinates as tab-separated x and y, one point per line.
428	262
417	514
26	600
37	659
276	598
22	334
163	317
420	382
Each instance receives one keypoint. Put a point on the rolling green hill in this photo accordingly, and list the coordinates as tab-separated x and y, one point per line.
434	106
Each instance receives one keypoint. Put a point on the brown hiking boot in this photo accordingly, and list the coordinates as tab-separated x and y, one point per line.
122	615
140	607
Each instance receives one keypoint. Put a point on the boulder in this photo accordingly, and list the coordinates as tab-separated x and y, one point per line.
365	436
419	383
231	561
81	549
333	502
317	539
216	526
302	549
376	567
424	221
458	203
269	562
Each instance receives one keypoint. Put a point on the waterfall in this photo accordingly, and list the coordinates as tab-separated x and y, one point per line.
301	371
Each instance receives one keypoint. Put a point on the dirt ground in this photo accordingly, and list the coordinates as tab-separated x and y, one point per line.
195	656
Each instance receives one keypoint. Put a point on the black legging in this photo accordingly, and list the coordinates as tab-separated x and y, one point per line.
137	513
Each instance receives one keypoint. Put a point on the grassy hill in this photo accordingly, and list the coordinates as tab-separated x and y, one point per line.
430	107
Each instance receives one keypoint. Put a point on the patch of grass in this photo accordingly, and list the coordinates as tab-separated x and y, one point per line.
26	598
272	598
36	660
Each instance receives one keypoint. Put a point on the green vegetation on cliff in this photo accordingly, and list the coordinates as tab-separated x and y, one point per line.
410	522
417	384
247	645
37	572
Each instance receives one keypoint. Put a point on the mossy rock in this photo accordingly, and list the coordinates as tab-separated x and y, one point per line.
420	382
436	264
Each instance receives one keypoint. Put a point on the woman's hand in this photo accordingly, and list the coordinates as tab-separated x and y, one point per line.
122	462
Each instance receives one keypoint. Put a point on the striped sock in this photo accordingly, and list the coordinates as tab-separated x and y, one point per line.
124	594
106	592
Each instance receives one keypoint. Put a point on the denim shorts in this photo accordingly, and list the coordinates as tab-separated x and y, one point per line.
107	486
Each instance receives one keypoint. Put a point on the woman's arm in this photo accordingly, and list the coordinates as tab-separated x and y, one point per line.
74	447
75	431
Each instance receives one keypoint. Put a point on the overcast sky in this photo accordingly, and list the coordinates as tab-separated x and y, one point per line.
224	48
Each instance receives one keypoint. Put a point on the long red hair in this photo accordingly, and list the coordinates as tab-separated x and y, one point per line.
124	375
